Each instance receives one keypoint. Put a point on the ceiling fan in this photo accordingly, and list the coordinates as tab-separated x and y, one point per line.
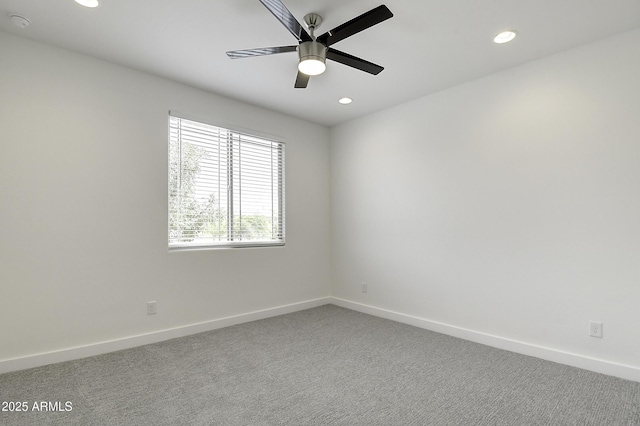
314	51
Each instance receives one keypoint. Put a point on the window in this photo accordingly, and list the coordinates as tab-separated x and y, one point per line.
226	188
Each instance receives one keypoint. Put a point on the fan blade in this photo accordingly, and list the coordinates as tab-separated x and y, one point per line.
354	26
302	80
285	17
239	54
352	61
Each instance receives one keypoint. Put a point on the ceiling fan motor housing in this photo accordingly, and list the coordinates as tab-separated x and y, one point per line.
312	50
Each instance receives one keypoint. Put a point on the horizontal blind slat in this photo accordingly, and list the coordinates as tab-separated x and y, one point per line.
226	187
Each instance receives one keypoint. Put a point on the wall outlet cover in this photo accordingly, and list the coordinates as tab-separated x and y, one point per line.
595	329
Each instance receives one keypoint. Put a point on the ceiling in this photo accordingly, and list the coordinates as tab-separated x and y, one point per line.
428	46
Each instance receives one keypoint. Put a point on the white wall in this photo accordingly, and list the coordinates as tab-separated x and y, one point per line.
83	217
508	206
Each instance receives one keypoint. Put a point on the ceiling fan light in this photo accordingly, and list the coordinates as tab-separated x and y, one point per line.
312	58
312	66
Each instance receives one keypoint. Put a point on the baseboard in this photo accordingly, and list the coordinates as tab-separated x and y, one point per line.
592	364
38	360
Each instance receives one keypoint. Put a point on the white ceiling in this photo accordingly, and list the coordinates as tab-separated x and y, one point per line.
427	46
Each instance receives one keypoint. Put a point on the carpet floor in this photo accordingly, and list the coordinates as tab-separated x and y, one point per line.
322	366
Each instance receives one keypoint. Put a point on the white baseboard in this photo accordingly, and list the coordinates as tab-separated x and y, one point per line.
575	360
592	364
38	360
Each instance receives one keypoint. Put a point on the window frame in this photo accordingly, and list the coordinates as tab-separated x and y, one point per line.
237	138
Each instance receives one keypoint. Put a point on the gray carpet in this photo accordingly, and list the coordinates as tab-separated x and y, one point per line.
323	366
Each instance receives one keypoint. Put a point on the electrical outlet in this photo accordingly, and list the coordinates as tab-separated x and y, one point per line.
595	329
364	287
152	308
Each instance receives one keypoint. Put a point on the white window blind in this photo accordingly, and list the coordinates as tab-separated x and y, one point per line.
226	188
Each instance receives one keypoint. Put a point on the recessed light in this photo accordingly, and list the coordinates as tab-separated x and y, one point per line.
88	3
345	101
505	37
